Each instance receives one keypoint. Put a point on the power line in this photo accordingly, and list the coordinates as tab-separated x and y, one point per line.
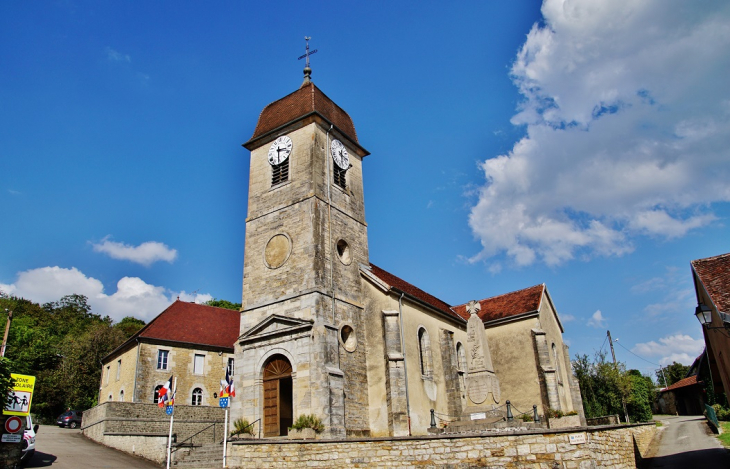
632	353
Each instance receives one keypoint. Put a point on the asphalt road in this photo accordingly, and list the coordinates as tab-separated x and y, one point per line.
63	448
687	442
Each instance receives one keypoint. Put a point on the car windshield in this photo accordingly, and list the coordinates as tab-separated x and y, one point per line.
67	414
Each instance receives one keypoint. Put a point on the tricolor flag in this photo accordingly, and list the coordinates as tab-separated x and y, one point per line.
164	396
227	388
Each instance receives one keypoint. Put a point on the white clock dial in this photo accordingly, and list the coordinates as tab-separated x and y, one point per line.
339	154
280	150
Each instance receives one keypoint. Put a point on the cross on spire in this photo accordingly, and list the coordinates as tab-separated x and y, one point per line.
307	70
473	307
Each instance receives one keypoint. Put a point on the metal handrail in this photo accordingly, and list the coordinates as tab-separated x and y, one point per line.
182	443
251	425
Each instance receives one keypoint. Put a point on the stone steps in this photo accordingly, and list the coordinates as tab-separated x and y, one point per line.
200	457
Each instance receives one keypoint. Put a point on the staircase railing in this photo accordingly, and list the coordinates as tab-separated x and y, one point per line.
185	443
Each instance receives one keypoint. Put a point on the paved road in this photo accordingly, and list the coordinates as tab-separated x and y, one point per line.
63	448
687	442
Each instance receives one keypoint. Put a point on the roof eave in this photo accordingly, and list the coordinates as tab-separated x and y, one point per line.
455	319
254	141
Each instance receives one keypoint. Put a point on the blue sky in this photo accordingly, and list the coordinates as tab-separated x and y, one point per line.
581	144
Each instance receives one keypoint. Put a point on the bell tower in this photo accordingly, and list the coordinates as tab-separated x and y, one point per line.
306	236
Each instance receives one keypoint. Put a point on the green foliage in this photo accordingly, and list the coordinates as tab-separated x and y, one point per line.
61	344
672	373
723	413
725	436
6	382
556	414
526	417
241	426
602	385
638	403
223	304
309	421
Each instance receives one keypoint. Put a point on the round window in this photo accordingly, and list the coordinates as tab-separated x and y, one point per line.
343	252
348	338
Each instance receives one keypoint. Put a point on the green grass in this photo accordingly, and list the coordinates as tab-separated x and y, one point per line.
658	423
725	437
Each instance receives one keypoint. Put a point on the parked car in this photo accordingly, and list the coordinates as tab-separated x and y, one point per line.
28	440
70	419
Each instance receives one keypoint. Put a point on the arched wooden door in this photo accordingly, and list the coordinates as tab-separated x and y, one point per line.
277	396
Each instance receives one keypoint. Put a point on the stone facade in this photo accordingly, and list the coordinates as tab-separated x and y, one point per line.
138	367
603	447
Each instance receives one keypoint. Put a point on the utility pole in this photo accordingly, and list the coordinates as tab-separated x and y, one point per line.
7	330
613	354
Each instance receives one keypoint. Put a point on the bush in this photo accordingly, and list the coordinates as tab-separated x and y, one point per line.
723	413
241	426
526	417
554	414
309	421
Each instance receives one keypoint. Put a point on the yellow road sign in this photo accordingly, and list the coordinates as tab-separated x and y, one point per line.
20	397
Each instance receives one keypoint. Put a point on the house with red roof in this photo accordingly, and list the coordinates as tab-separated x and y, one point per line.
711	278
192	342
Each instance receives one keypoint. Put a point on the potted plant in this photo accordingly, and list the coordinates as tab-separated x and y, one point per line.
242	429
306	427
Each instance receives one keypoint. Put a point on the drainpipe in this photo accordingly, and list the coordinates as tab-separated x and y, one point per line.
136	367
405	363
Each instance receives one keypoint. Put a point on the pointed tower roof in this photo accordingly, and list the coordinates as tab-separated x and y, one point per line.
307	101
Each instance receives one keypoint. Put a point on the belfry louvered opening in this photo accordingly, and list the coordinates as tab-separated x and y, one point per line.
280	172
340	177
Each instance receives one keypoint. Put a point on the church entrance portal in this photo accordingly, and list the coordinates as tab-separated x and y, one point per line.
277	396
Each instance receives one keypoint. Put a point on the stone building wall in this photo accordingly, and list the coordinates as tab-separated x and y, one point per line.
113	383
604	447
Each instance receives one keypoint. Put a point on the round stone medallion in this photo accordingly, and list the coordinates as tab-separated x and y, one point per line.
277	251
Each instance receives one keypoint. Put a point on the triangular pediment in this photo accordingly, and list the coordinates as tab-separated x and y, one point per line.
273	326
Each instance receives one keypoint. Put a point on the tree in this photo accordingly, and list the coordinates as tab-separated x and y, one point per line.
639	399
223	304
6	381
603	385
129	326
673	373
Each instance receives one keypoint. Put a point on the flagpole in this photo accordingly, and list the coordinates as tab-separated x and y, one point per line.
225	438
172	416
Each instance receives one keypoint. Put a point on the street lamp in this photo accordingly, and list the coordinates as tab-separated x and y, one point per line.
704	315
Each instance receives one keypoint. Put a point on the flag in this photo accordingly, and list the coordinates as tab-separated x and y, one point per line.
165	394
227	388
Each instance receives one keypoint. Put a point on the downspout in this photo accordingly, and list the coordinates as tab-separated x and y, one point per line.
329	227
136	368
405	362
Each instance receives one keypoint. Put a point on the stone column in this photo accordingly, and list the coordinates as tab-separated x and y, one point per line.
575	395
546	369
395	377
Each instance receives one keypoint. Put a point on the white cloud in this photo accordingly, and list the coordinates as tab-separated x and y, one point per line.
567	318
134	297
675	292
679	347
626	109
114	56
146	253
597	320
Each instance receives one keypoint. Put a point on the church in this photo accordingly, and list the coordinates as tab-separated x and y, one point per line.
324	331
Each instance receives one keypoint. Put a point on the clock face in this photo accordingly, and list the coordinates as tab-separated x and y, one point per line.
280	150
339	154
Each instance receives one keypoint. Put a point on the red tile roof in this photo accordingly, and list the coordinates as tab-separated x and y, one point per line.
714	273
682	383
412	290
302	102
194	324
509	304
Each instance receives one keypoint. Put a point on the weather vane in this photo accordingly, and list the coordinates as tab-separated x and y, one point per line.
307	70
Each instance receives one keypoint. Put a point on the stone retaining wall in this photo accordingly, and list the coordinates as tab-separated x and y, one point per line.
604	447
142	429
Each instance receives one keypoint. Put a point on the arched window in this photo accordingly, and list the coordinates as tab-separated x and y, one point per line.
197	396
461	357
121	395
156	397
424	346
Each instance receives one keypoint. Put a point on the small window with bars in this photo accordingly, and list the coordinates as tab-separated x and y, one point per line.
340	177
280	172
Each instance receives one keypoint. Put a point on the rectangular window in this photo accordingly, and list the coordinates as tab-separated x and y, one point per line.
280	172
119	369
162	359
108	369
231	368
340	177
198	364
